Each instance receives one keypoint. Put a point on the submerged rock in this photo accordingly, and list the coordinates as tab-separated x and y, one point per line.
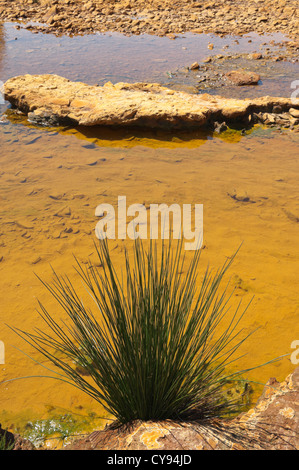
53	100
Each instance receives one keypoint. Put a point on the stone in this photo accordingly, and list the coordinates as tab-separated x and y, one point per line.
256	56
241	77
190	89
294	112
55	99
194	66
50	13
220	127
277	109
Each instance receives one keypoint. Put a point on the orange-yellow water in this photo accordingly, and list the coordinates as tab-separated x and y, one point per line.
50	185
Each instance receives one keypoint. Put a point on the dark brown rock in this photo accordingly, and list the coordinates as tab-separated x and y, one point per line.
194	66
240	77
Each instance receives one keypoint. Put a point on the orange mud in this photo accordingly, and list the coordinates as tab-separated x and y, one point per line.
50	185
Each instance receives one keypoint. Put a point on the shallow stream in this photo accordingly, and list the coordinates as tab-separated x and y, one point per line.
51	181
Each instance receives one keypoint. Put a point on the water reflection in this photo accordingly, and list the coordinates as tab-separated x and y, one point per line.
128	137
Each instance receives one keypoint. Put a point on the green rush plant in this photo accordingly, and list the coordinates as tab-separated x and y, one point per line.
6	443
150	348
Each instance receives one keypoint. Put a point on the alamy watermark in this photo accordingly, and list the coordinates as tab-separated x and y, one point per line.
154	221
295	93
2	100
295	354
2	353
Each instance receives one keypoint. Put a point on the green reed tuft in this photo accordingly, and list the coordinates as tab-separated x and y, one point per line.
6	441
151	348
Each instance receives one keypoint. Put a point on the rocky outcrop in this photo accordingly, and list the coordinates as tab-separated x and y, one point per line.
53	100
272	424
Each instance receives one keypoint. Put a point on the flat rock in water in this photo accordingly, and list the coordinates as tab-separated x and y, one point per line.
56	100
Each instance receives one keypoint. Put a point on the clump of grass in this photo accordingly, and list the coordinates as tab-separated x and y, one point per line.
6	442
151	345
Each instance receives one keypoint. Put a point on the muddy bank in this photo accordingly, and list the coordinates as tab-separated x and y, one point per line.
54	100
136	17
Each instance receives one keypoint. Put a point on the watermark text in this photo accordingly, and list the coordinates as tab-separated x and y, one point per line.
295	93
2	353
154	221
2	100
295	354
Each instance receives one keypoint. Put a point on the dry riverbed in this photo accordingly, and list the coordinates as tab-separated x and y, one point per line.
236	17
